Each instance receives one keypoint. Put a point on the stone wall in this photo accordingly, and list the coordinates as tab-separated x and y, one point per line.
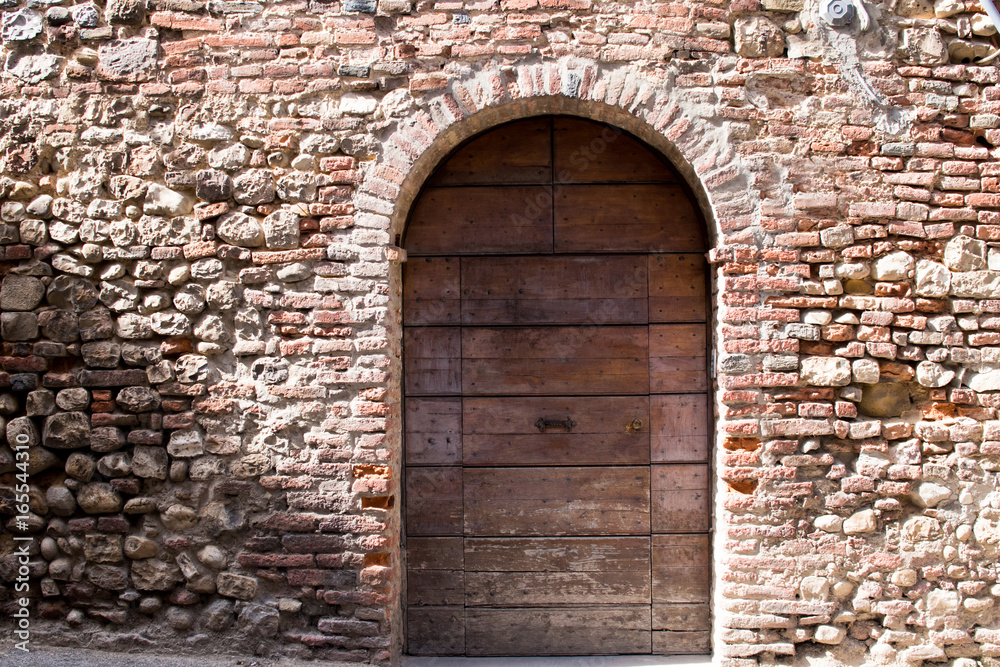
201	205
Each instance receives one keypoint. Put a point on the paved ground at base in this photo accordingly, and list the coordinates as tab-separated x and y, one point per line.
576	661
71	657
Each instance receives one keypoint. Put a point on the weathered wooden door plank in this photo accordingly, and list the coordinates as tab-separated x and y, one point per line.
556	501
677	362
432	362
517	152
515	219
433	501
679	428
555	431
557	554
677	289
681	569
432	434
680	498
555	290
432	291
555	361
625	218
588	152
598	630
435	630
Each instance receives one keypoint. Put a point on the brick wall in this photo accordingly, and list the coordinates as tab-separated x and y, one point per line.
199	213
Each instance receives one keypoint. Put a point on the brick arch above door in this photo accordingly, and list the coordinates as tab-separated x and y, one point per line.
422	131
556	272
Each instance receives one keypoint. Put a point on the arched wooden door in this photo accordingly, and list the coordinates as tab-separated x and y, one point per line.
556	400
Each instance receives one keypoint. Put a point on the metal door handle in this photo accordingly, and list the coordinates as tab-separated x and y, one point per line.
544	424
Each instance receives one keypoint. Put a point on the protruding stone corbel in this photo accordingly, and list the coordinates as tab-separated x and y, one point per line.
395	254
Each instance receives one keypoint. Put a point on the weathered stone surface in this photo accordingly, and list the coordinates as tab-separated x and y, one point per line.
96	325
211	132
60	500
185	444
126	12
66	430
241	230
988	381
942	602
85	15
218	615
170	323
281	230
223	518
100	548
101	354
107	439
108	577
155	230
254	187
21	292
140	548
163	201
887	399
179	518
930	374
865	371
60	325
757	37
150	462
127	187
119	295
40	403
860	523
72	293
929	494
155	575
894	266
138	399
21	25
260	620
223	295
922	46
141	354
99	498
212	328
297	187
18	326
236	586
826	371
231	157
75	398
32	68
213	186
830	523
133	326
80	466
357	104
965	254
191	368
946	8
127	60
830	634
118	464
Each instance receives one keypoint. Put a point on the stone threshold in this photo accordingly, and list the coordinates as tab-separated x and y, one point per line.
571	661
